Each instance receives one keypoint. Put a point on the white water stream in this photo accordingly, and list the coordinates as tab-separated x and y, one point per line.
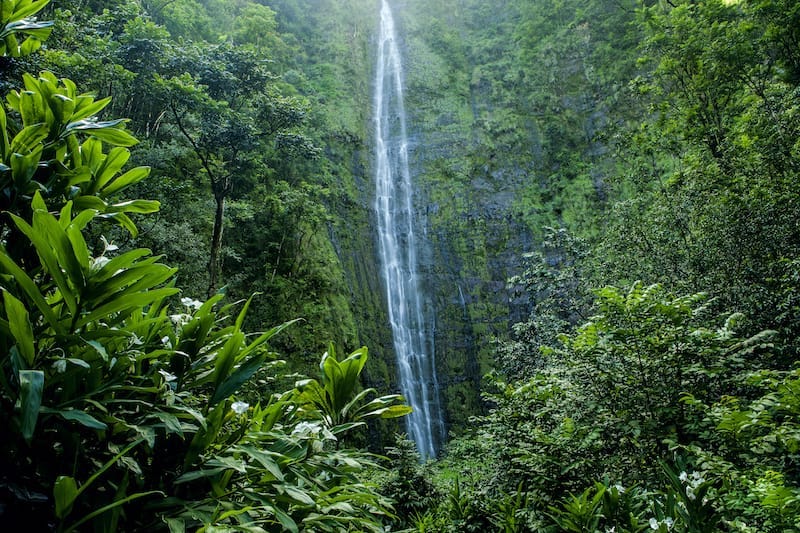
413	342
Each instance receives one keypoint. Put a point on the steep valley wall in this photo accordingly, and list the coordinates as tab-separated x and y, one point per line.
503	139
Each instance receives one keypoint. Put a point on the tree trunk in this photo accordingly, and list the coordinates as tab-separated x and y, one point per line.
216	245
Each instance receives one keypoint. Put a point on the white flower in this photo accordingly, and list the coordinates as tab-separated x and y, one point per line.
167	376
306	429
99	262
620	488
240	408
166	342
109	247
180	319
654	524
191	303
683	477
690	492
669	522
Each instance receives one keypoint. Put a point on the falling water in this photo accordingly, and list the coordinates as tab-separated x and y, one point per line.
397	247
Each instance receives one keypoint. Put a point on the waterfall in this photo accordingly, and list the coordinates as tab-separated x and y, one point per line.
413	342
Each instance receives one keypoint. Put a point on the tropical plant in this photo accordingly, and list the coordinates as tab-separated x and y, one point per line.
335	399
118	412
20	32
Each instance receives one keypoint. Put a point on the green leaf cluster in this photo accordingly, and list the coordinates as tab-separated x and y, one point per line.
20	33
118	411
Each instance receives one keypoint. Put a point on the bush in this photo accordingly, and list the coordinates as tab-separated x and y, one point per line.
119	412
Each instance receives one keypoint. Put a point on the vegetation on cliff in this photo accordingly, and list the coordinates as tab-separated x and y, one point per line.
609	196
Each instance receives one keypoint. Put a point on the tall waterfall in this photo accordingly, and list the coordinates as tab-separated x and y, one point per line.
413	342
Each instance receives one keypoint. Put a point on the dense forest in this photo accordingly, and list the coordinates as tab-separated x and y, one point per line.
607	196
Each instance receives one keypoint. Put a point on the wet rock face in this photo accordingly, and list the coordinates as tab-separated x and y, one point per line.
502	144
500	149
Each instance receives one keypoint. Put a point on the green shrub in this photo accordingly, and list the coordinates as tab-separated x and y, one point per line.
119	412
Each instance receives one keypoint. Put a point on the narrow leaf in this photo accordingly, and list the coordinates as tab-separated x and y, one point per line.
83	418
32	291
65	491
130	177
31	385
237	378
20	325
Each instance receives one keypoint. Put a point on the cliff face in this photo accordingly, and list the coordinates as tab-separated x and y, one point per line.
505	100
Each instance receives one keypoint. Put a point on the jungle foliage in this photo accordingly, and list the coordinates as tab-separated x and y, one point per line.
665	405
123	407
630	167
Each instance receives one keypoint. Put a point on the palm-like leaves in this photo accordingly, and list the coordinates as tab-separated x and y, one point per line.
93	367
54	145
335	399
20	32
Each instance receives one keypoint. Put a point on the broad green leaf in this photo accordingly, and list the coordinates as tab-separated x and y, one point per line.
121	262
28	139
130	177
265	459
225	360
20	325
92	154
107	131
82	219
47	254
115	136
243	312
176	525
65	491
237	378
62	107
26	9
354	403
171	423
285	520
203	438
341	428
5	147
87	107
125	305
113	163
125	221
36	33
22	169
31	107
82	417
125	281
92	125
200	474
298	495
135	206
89	202
99	348
55	250
392	411
31	386
80	249
32	291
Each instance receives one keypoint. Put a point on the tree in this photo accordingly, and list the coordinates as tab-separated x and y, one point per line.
228	115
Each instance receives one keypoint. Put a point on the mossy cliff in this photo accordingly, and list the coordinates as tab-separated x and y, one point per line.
505	103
